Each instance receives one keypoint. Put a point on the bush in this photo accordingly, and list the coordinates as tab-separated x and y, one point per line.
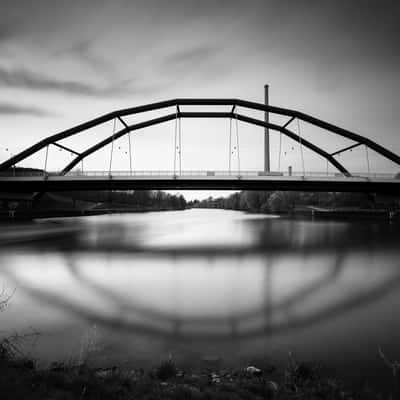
166	370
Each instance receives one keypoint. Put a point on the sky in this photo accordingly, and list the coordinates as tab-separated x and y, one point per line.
62	63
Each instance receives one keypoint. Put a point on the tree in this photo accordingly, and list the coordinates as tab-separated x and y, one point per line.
182	202
278	202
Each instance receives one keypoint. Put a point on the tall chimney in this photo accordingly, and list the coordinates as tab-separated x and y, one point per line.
266	132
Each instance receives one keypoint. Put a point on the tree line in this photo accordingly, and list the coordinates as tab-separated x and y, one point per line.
148	199
286	201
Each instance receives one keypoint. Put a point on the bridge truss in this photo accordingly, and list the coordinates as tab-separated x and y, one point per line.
233	114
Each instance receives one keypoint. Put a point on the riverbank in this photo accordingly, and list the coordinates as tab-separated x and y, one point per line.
30	214
21	379
346	213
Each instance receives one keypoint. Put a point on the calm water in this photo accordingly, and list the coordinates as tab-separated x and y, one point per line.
207	287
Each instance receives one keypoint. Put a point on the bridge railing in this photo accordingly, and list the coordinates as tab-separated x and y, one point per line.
193	173
232	173
197	174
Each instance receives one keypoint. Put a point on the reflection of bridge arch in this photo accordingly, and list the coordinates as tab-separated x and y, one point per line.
170	326
234	103
234	319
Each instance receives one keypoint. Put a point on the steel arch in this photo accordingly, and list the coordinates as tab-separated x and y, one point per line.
203	102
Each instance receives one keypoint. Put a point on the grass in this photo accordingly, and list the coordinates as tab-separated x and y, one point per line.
21	379
166	370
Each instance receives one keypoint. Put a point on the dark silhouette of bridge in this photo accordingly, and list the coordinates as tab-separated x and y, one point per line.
13	180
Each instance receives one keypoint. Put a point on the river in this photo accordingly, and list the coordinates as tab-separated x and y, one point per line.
206	287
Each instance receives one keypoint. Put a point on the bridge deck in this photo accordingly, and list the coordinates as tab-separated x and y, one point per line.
203	180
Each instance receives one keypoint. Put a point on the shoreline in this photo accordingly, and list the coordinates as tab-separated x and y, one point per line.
309	213
354	214
325	214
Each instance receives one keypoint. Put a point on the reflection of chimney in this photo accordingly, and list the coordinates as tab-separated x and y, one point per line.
268	292
266	131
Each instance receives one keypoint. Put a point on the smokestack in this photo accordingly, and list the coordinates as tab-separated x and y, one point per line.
266	131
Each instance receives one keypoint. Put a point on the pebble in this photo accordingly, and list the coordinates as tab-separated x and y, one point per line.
105	372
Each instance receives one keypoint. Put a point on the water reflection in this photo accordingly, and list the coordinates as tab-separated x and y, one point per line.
207	280
187	236
270	315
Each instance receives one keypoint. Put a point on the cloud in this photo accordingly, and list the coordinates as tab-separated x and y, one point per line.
13	109
24	79
83	52
190	56
203	62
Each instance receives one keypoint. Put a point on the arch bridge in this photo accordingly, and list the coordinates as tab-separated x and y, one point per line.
21	180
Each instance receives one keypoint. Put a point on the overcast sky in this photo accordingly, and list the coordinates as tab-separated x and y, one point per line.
63	62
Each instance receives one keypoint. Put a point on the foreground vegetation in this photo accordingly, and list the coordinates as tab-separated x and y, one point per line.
21	379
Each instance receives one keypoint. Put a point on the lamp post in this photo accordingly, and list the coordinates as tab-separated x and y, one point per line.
11	156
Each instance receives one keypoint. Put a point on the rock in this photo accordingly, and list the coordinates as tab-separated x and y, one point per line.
103	374
180	374
215	378
106	372
251	370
